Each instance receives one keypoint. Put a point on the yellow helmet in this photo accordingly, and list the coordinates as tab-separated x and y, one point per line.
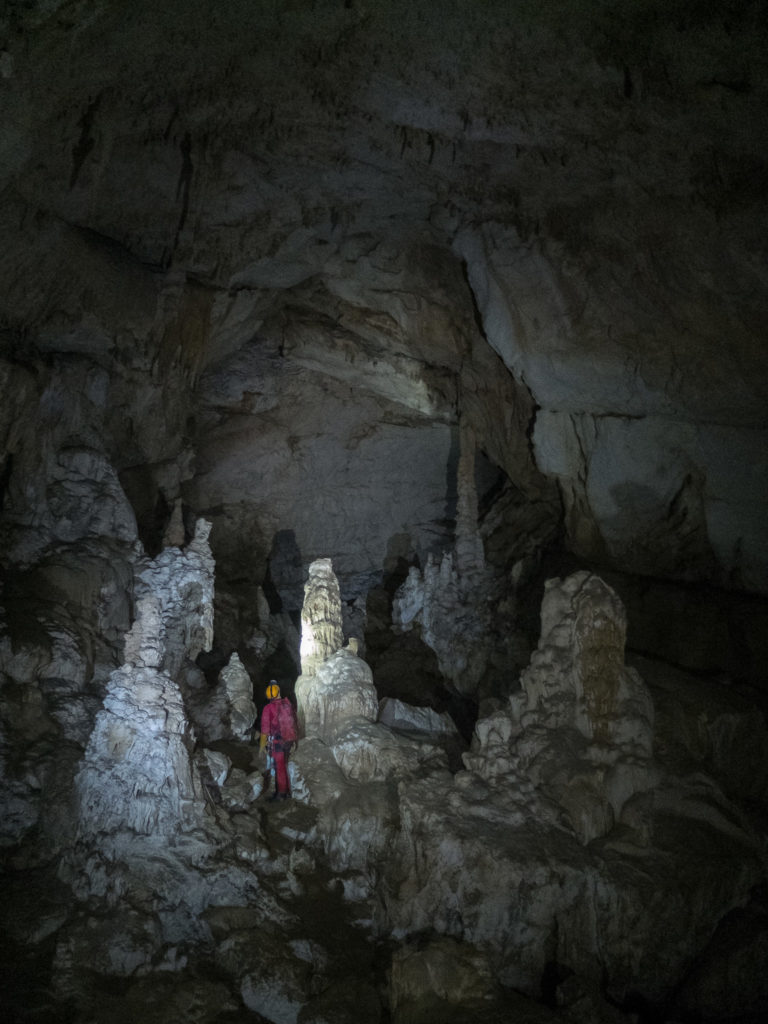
273	690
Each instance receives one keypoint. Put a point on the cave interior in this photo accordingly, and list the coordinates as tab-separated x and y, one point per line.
413	355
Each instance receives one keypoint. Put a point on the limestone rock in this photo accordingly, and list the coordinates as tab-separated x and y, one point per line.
323	781
398	715
214	766
581	728
614	911
567	766
581	1002
673	517
274	971
426	724
272	632
137	773
357	823
236	683
452	982
728	979
120	945
306	304
707	726
172	993
450	609
321	620
182	582
229	711
241	789
347	1001
340	690
367	751
80	498
433	982
174	531
359	828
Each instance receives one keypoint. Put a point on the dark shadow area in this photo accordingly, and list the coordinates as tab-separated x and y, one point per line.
280	666
152	508
286	575
490	481
5	477
451	479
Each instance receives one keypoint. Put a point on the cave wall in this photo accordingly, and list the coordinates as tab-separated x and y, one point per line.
577	190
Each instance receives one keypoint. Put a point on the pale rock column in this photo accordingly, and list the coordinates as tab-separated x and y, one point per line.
580	731
138	775
229	712
182	579
238	688
336	686
321	620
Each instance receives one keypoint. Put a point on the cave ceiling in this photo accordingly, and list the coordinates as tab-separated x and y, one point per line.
268	257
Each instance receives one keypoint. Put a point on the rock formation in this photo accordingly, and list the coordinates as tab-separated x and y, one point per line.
567	766
138	776
321	621
452	616
335	686
341	691
581	728
228	712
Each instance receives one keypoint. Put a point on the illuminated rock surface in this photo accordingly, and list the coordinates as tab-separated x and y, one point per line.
340	691
321	620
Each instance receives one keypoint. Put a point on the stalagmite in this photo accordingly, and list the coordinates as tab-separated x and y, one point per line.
581	728
138	774
336	685
229	711
321	620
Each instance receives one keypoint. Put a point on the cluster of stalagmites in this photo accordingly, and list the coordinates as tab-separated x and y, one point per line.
591	833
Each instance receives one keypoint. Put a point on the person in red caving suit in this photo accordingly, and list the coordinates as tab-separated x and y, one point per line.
279	734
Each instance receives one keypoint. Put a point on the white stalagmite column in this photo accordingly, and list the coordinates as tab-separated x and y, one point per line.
335	686
137	775
321	623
